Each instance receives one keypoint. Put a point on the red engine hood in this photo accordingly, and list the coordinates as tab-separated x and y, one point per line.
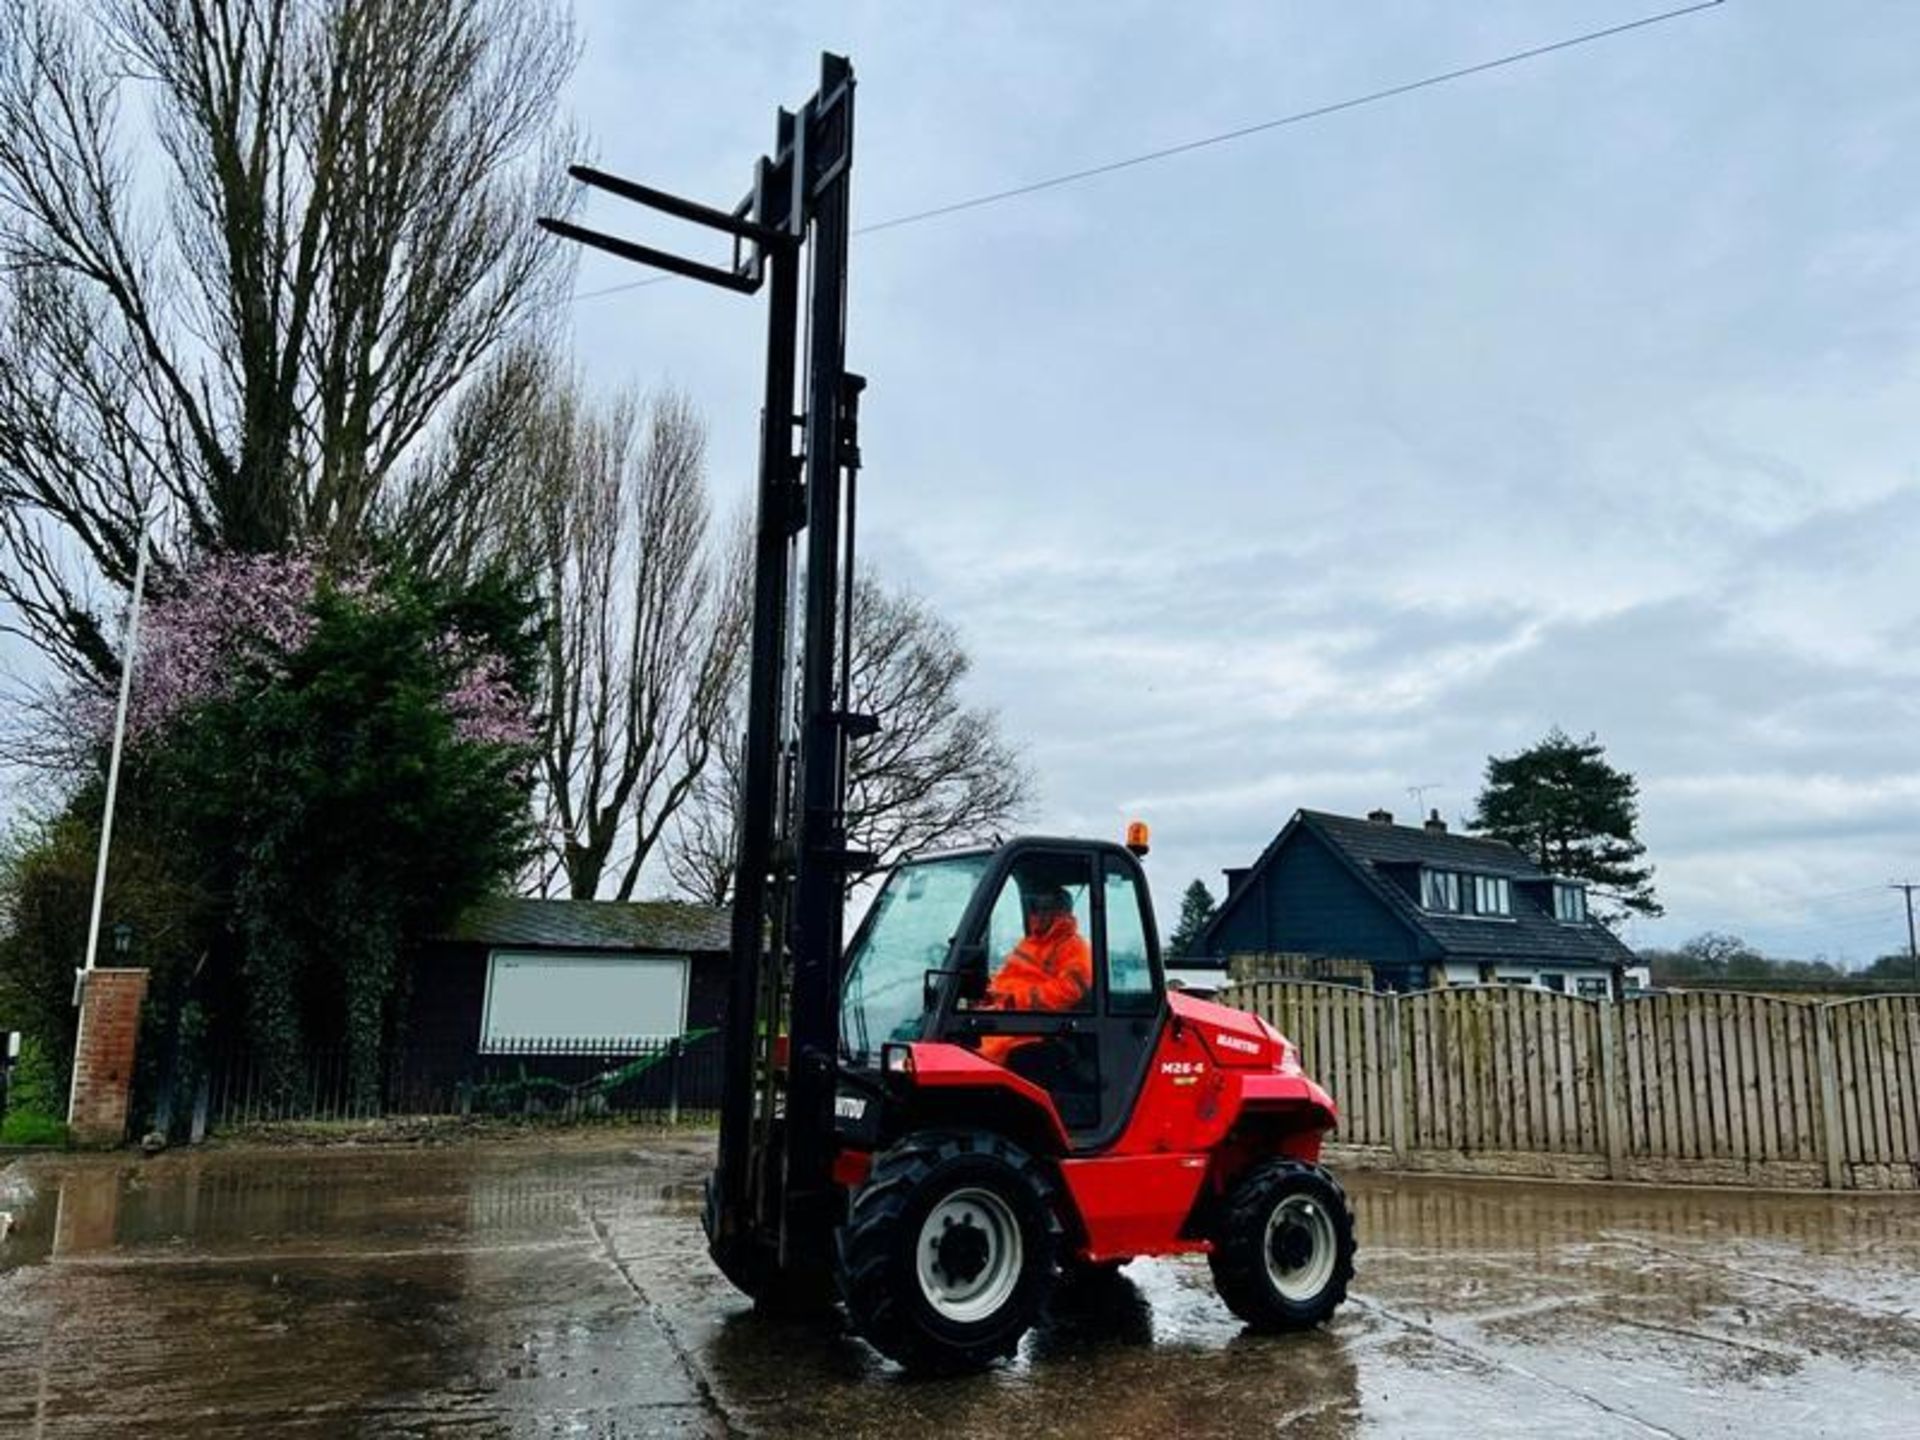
1235	1039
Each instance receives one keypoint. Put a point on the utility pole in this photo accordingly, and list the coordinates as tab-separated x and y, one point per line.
1907	887
128	651
119	735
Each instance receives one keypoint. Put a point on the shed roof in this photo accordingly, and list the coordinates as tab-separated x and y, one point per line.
595	925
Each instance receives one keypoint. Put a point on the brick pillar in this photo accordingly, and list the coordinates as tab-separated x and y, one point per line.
103	1056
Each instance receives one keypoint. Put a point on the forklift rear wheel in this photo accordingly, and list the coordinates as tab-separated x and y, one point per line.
947	1253
1283	1253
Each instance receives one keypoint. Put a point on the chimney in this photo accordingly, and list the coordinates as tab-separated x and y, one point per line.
1236	876
1434	824
1380	817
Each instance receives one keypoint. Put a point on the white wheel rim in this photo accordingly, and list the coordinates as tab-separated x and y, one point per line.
1300	1248
968	1256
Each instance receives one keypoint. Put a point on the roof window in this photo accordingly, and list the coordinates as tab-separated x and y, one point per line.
1454	892
1492	895
1440	890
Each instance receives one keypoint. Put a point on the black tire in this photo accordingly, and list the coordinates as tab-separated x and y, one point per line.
989	1265
1295	1216
805	1294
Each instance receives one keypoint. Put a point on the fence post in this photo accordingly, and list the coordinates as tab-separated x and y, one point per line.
1832	1138
674	1052
1610	1111
1396	1080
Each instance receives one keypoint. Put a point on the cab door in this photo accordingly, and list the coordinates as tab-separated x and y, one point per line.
1087	1047
1039	1015
1133	998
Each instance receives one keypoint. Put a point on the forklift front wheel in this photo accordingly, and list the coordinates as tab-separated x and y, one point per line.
1283	1253
947	1254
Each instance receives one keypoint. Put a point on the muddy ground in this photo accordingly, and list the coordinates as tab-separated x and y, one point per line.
558	1286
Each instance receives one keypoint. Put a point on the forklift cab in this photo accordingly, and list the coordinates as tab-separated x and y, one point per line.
922	964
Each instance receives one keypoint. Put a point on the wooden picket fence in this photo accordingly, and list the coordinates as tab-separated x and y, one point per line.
1694	1086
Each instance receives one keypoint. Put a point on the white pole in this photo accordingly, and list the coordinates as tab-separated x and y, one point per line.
119	740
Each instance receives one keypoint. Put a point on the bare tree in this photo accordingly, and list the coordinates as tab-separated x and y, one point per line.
294	320
938	773
646	621
705	844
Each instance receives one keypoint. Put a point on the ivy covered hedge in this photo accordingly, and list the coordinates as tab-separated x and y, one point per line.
319	767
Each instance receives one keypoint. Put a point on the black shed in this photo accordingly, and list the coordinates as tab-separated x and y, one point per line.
519	977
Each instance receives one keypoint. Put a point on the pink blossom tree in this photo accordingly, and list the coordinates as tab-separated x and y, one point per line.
230	615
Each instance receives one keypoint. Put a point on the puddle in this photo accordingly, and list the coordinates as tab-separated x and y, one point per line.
522	1288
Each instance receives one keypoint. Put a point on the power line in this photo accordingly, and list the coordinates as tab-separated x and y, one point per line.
1297	117
1795	911
1791	905
1834	895
1881	921
1798	922
1805	919
1798	932
1187	147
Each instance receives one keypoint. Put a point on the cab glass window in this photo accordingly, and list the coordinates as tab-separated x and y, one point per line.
1039	936
1129	972
907	934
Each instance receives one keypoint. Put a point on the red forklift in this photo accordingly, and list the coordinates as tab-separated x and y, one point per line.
894	1132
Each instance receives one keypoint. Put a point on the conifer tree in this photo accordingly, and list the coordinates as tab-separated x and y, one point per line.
1574	815
1196	909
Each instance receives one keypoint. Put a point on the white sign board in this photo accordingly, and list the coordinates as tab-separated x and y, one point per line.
534	997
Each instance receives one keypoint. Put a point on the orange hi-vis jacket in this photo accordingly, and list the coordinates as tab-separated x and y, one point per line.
1049	971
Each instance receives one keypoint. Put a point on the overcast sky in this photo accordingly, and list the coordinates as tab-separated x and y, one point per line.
1310	468
1306	469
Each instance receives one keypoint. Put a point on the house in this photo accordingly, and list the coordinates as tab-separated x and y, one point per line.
520	979
1422	906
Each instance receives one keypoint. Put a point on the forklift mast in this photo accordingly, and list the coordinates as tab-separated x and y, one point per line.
770	1202
1089	1139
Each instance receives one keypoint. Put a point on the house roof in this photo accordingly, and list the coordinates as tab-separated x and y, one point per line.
1371	848
594	925
1381	843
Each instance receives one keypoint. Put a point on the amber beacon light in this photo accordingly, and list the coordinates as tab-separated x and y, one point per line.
1137	837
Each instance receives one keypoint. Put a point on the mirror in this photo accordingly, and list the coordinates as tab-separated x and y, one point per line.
970	967
970	986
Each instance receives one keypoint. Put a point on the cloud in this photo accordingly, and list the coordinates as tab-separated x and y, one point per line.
1302	471
1305	470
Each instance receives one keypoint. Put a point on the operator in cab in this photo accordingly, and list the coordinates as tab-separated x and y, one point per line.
1051	968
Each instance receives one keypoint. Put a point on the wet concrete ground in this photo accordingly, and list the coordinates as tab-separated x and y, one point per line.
560	1287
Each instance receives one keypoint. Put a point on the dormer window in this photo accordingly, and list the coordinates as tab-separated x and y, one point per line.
1440	890
1492	895
1457	892
1570	903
